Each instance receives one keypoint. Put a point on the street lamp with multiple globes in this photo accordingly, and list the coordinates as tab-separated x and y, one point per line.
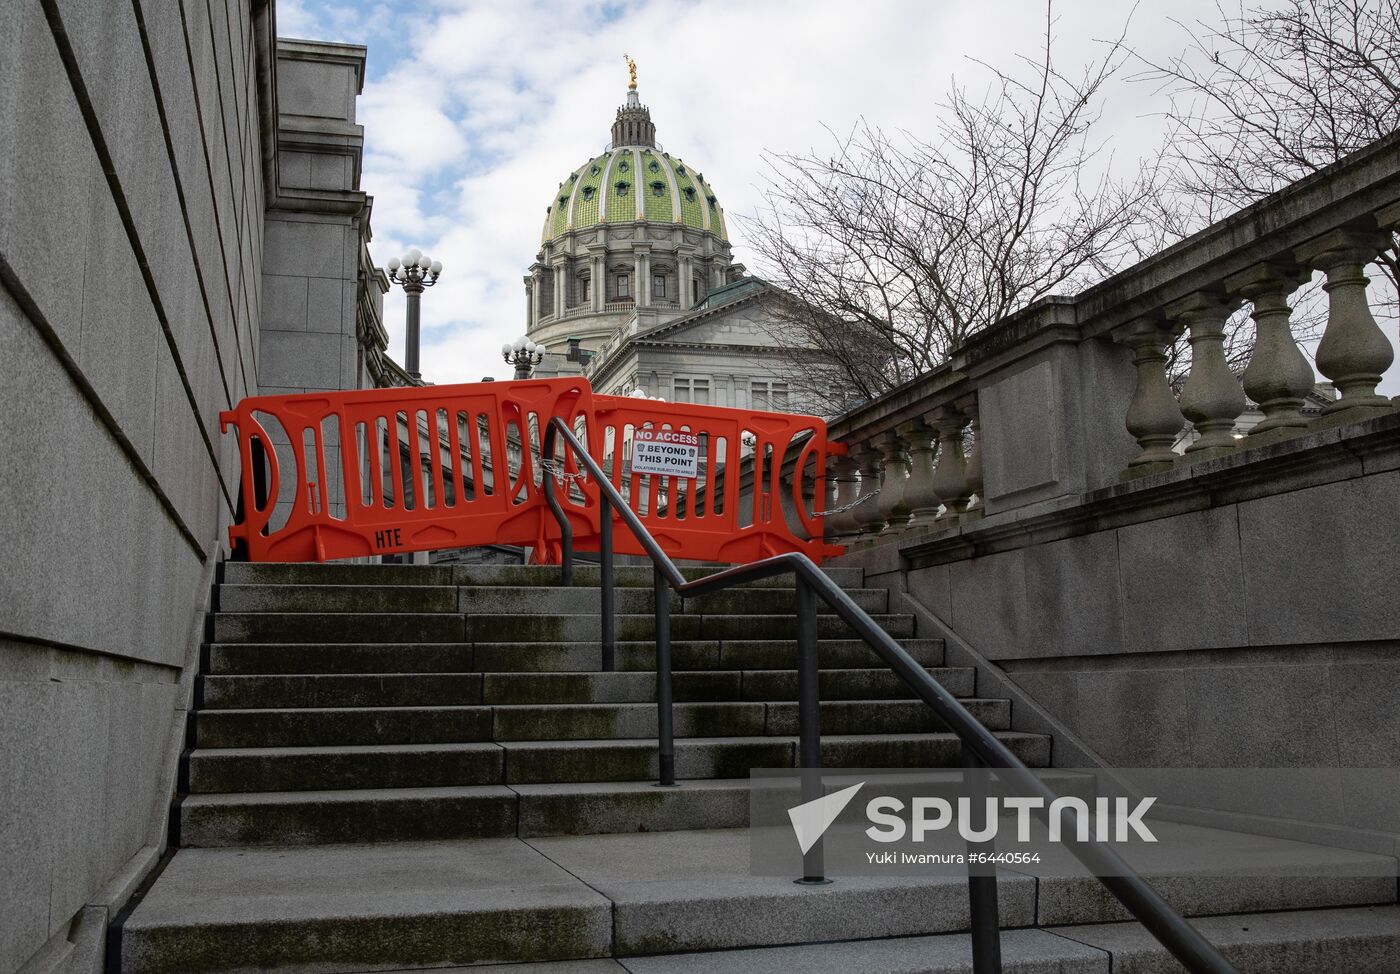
413	272
524	354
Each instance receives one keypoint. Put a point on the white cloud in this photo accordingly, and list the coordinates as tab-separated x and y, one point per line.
474	111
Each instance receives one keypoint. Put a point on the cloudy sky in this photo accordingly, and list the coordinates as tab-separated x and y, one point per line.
475	111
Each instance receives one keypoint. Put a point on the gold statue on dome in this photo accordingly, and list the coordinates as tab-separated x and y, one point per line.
631	73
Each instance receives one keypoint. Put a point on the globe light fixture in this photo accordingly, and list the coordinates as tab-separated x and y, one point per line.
415	271
524	354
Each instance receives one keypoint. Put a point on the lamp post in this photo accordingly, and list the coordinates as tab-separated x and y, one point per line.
413	272
524	354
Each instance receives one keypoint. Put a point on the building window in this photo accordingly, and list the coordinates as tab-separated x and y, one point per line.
658	285
622	189
691	390
690	194
622	166
583	288
588	192
654	167
623	286
658	189
769	395
695	289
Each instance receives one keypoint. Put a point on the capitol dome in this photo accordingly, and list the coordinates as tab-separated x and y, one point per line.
632	238
628	183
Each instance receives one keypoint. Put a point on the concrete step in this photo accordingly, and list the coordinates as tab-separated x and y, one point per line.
272	573
542	657
225	770
337	598
309	727
324	690
542	762
623	575
500	599
1358	940
638	895
1022	952
279	690
365	815
352	907
853	684
341	658
400	627
338	627
592	807
487	811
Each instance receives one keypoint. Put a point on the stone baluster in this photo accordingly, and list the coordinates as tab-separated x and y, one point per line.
867	513
1278	376
1153	417
1354	352
1211	397
973	465
950	474
847	489
894	475
919	496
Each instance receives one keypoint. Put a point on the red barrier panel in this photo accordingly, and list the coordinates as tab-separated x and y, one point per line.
727	501
386	471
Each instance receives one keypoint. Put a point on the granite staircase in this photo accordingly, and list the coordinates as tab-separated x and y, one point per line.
405	767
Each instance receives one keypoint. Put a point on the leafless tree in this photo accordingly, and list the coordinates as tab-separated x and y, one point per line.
895	248
1271	94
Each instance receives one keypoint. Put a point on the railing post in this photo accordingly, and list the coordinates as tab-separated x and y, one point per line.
1153	417
847	490
894	477
1211	397
868	520
665	734
983	911
972	458
605	569
950	473
919	495
809	731
1278	376
1354	352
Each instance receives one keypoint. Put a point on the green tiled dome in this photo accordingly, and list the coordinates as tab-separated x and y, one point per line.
629	183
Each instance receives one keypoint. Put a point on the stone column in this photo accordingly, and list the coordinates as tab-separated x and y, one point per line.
1354	353
894	472
638	292
1153	417
1211	397
1278	376
599	286
561	282
950	473
847	489
683	294
530	315
867	513
919	496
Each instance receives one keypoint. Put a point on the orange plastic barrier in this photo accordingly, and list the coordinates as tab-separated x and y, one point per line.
730	510
386	471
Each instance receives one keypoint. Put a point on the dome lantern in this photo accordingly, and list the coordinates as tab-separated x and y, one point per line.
633	125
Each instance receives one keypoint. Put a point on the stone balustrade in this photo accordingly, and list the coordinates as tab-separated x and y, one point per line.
1073	395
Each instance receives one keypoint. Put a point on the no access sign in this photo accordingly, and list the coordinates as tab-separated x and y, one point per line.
672	453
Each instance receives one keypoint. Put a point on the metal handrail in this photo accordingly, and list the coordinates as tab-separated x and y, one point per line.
980	746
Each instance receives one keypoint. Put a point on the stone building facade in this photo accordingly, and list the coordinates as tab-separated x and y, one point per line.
181	226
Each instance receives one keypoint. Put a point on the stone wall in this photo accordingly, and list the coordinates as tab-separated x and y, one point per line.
132	175
1244	612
